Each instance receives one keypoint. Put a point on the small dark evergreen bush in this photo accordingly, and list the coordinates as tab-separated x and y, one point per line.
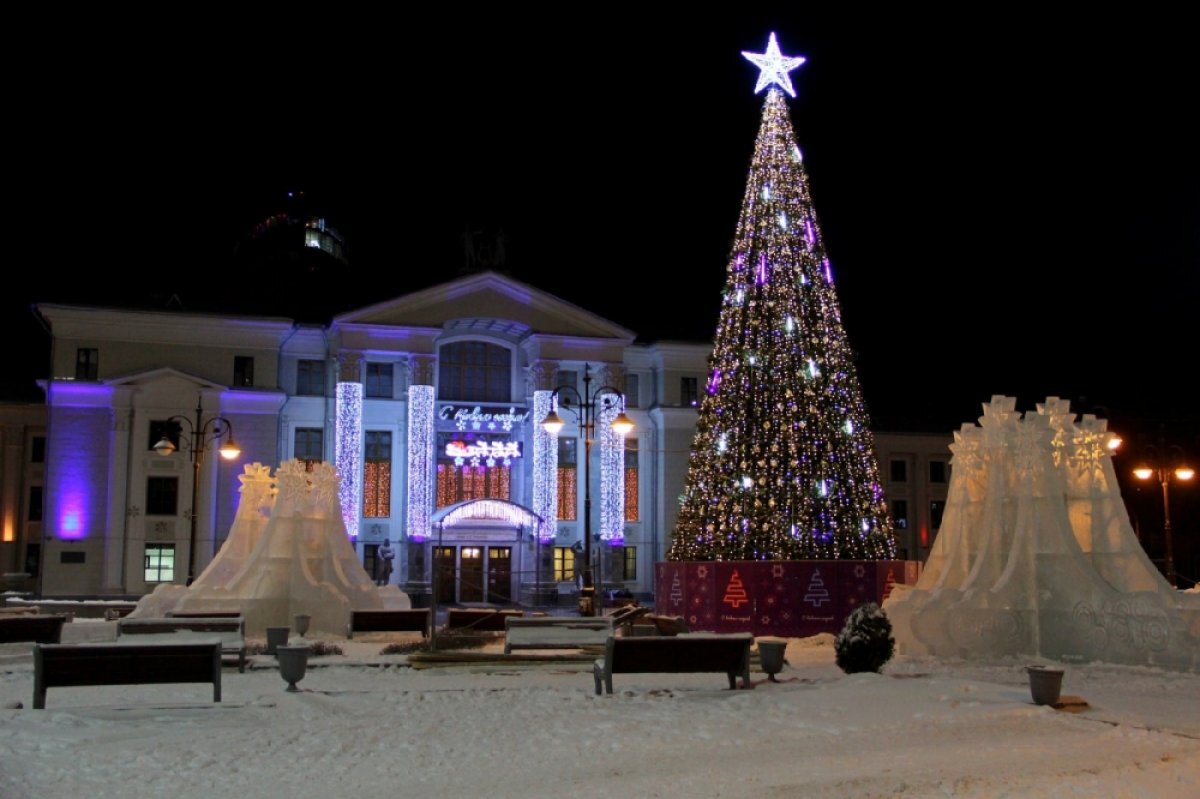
865	643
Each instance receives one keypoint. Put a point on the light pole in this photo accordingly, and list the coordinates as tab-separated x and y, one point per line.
201	435
1165	462
585	409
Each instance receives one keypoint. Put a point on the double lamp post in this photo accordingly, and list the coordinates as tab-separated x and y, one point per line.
1165	462
587	408
202	435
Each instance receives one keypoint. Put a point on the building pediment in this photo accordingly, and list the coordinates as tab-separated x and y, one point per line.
487	296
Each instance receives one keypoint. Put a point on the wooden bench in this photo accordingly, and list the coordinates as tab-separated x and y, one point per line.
59	665
696	652
479	619
627	615
118	611
231	633
555	632
31	627
389	621
669	625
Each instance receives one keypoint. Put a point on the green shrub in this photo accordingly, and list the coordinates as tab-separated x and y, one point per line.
865	643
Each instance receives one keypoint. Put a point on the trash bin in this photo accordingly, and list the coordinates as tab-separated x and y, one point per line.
770	656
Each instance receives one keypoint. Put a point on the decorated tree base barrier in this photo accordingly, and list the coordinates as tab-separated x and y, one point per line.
789	598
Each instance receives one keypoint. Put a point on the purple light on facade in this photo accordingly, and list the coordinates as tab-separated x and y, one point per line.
761	276
714	382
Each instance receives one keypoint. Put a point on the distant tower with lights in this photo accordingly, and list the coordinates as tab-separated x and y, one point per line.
782	466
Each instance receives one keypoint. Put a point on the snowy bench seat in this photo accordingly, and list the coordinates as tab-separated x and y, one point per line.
479	619
60	665
388	621
31	627
689	652
555	632
231	632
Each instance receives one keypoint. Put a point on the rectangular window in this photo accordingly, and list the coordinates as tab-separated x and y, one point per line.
632	392
310	378
937	471
377	474
33	559
160	563
243	370
162	496
900	513
689	391
87	363
379	380
564	564
160	429
37	449
629	563
936	508
475	371
309	446
34	511
569	379
899	470
568	489
631	479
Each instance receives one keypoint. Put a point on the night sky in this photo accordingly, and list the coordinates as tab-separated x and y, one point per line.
1011	204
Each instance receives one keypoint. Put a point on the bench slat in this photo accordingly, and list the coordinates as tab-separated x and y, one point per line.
675	655
381	621
31	627
61	665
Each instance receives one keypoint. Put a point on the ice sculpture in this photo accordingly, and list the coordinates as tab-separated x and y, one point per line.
287	553
1036	555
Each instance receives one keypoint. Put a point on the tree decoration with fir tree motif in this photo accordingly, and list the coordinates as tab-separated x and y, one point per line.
782	466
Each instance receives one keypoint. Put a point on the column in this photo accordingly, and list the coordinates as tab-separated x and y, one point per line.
421	440
348	439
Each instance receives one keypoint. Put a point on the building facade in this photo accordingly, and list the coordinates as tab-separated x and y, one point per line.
428	405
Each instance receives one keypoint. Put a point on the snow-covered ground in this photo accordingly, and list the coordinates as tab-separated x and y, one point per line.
369	726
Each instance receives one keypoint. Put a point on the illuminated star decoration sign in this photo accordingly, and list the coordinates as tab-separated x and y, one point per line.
775	67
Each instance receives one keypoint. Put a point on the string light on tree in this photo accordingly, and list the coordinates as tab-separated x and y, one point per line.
782	464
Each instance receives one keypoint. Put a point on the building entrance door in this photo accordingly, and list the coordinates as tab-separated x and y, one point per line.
470	585
444	557
499	574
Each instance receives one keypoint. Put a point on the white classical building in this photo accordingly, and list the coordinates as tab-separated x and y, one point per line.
428	405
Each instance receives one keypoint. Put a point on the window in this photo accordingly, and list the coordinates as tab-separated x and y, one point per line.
629	563
371	559
87	364
34	512
631	479
310	378
900	513
33	559
309	446
570	379
937	471
564	564
379	380
689	391
899	470
632	391
243	370
475	371
160	563
568	489
377	474
162	496
936	508
163	429
37	449
461	482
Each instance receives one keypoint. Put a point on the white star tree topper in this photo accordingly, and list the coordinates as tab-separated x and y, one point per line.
775	67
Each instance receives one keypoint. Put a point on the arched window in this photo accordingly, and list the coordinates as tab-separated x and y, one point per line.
474	371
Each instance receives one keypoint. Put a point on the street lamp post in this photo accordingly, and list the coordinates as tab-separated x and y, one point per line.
201	435
585	408
1164	462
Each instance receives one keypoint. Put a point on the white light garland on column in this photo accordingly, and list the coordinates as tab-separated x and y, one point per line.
420	461
348	453
612	477
545	466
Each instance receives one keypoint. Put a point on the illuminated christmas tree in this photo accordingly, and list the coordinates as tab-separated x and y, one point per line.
782	466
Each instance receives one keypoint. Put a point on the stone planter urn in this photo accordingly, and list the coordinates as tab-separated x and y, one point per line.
1045	684
293	662
770	656
276	637
302	621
